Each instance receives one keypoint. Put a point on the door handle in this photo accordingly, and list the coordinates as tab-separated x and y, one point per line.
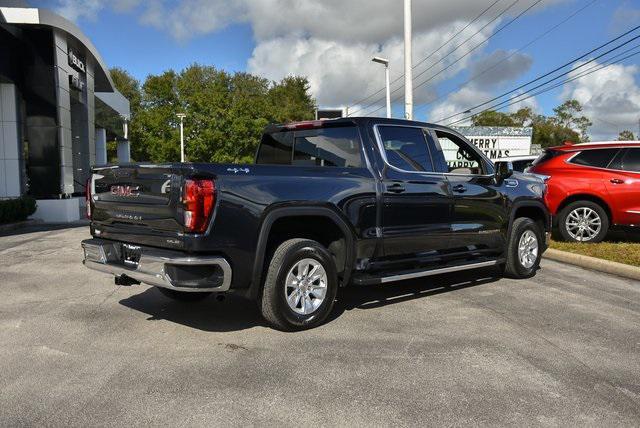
396	188
459	188
616	181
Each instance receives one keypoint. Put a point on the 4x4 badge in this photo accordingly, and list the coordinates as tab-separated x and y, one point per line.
237	170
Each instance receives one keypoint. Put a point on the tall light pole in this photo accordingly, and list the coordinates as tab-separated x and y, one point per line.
385	62
408	63
181	116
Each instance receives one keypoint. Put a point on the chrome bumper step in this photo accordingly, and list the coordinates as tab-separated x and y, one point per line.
154	266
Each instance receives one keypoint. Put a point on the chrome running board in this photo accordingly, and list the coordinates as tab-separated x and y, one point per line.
368	280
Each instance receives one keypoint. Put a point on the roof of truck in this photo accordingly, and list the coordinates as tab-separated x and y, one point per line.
311	124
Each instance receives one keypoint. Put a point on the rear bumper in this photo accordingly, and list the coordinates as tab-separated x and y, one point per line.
161	268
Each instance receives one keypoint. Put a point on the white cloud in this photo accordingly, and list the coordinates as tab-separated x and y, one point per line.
341	73
457	102
77	9
500	66
610	98
331	41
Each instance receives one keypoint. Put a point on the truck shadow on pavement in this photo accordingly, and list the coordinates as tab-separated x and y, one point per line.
235	314
373	297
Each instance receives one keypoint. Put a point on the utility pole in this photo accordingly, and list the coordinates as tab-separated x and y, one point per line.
408	63
181	116
385	62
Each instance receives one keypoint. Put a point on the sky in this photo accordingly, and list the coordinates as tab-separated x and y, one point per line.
462	57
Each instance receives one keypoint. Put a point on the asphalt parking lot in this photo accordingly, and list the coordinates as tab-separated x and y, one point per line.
560	349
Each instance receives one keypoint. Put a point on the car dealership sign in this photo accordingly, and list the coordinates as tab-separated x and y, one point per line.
496	142
76	62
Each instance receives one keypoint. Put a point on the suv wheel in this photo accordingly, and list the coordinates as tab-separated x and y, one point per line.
184	296
583	221
524	250
300	285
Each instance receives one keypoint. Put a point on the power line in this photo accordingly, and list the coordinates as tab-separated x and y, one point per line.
470	51
450	53
430	55
486	70
517	99
553	71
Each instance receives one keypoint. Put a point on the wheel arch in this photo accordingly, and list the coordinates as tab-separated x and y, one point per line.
278	215
586	197
536	210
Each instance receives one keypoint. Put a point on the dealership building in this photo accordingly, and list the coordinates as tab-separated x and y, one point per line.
58	109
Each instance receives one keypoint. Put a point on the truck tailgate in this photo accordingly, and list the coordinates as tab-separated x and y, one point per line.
138	198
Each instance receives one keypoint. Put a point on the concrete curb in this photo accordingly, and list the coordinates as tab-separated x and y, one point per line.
19	225
593	263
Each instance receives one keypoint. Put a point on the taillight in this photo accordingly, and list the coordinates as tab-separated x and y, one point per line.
88	196
199	199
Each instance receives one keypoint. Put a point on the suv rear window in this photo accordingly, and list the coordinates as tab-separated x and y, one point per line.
547	155
599	158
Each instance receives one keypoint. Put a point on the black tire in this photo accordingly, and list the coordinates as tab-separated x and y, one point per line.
273	304
184	296
597	208
514	268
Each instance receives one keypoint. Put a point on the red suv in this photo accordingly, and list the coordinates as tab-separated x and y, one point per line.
591	187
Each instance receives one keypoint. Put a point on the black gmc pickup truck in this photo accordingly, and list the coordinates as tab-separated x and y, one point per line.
327	204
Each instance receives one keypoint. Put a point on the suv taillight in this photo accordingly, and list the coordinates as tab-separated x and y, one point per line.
88	196
199	199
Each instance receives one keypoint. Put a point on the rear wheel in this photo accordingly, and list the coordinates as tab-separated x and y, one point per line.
183	296
524	250
583	221
300	286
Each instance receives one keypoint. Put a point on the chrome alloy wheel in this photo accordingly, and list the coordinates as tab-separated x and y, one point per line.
528	249
306	286
583	224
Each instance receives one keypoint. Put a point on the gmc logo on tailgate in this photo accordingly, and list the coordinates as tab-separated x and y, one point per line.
121	190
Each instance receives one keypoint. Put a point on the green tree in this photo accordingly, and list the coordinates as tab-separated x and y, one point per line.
547	131
626	135
568	115
492	118
128	86
226	113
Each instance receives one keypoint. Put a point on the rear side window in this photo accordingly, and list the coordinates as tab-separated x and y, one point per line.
337	147
599	158
629	160
275	149
406	148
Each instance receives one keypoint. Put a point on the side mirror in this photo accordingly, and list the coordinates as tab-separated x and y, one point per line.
504	170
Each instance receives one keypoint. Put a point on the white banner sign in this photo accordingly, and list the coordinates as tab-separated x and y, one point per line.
495	147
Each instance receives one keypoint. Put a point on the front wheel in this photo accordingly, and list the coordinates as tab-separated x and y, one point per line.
300	285
524	250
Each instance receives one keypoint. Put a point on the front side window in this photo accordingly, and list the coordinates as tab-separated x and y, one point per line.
460	157
599	158
406	148
337	147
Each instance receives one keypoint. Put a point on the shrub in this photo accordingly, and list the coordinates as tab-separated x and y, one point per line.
16	209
